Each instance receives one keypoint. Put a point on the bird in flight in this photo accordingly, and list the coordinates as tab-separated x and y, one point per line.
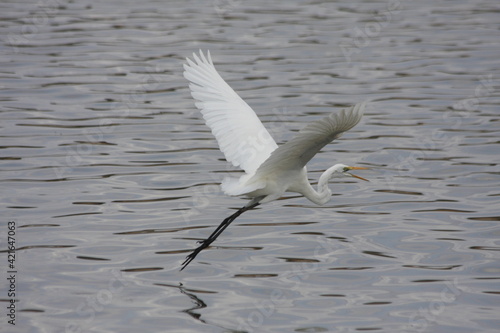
270	171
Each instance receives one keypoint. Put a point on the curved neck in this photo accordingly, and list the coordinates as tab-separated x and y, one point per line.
323	195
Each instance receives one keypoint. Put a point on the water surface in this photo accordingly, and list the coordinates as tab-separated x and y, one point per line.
111	175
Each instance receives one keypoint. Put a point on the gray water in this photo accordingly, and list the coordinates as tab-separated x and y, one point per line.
111	176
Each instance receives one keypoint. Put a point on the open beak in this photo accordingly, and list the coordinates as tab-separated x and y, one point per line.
357	168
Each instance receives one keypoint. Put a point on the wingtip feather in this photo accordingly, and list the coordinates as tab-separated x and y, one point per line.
209	57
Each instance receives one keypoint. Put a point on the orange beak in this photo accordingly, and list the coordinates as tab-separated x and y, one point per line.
357	168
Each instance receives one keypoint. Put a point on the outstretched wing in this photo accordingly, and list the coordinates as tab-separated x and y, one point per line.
240	134
298	151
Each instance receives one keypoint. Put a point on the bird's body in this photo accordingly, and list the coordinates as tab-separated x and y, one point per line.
270	171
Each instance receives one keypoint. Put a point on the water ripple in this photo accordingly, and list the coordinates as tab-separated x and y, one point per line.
111	175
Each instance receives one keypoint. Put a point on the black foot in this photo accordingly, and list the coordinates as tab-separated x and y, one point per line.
206	243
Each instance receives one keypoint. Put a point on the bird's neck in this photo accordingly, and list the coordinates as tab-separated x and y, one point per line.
324	194
320	197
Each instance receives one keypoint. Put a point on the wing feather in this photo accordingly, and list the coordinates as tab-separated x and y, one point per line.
240	134
298	151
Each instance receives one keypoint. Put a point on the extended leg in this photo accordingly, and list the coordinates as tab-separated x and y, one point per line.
206	243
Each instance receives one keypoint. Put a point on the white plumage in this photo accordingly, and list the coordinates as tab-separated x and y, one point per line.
270	171
241	136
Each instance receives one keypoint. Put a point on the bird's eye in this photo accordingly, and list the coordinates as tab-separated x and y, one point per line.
345	169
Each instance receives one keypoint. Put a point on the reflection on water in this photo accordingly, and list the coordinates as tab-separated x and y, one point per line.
112	176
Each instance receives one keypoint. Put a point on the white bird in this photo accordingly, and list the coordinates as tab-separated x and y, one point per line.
270	171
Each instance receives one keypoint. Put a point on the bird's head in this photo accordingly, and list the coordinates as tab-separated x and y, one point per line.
342	170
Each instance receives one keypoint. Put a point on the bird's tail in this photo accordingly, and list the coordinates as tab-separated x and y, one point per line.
239	186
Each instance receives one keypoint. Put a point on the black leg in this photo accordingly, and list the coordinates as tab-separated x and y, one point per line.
206	243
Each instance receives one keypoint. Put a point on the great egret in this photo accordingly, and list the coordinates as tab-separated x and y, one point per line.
270	171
